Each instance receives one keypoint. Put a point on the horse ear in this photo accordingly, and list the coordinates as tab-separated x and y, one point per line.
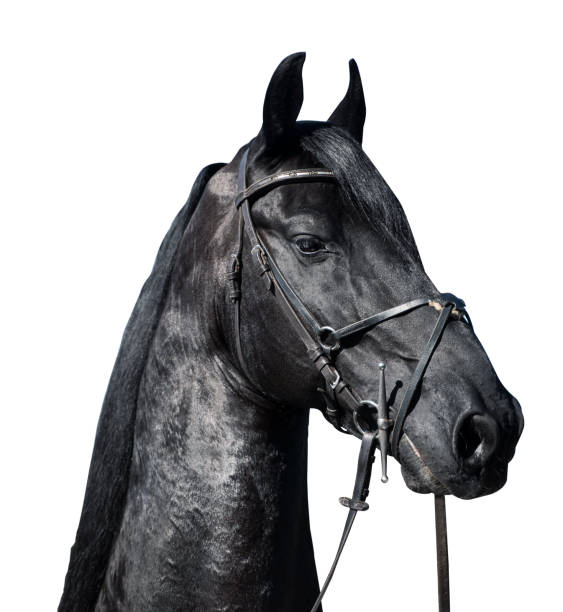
350	114
282	104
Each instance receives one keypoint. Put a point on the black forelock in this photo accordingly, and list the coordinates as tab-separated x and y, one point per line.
359	180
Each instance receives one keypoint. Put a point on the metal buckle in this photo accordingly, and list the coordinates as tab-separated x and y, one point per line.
337	377
262	261
334	372
235	263
258	252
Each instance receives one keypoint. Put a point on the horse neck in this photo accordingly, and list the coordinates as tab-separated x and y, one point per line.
217	504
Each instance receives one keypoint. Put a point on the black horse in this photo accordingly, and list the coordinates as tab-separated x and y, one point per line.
197	492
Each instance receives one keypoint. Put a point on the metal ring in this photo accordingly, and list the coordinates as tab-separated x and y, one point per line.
322	334
362	404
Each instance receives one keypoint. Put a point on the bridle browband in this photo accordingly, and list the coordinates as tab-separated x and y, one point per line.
324	343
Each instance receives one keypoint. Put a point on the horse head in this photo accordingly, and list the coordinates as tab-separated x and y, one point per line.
344	248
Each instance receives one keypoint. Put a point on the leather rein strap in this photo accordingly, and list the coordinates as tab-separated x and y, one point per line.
323	343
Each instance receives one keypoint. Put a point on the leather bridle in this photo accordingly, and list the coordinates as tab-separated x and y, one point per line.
324	343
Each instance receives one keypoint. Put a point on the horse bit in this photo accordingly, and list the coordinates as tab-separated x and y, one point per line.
323	343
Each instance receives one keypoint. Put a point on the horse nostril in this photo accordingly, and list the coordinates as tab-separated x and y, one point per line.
475	440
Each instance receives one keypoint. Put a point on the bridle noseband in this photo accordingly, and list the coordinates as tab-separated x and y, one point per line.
323	343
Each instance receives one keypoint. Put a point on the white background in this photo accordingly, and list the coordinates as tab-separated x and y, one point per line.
108	112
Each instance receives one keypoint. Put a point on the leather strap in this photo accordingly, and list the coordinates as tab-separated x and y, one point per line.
380	317
356	504
416	378
281	178
442	561
234	273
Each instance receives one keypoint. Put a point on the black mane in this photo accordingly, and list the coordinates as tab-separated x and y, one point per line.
108	478
359	179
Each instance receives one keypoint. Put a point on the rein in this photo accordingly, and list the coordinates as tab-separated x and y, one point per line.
324	343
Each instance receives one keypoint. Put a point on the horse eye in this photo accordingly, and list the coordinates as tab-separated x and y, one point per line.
309	244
